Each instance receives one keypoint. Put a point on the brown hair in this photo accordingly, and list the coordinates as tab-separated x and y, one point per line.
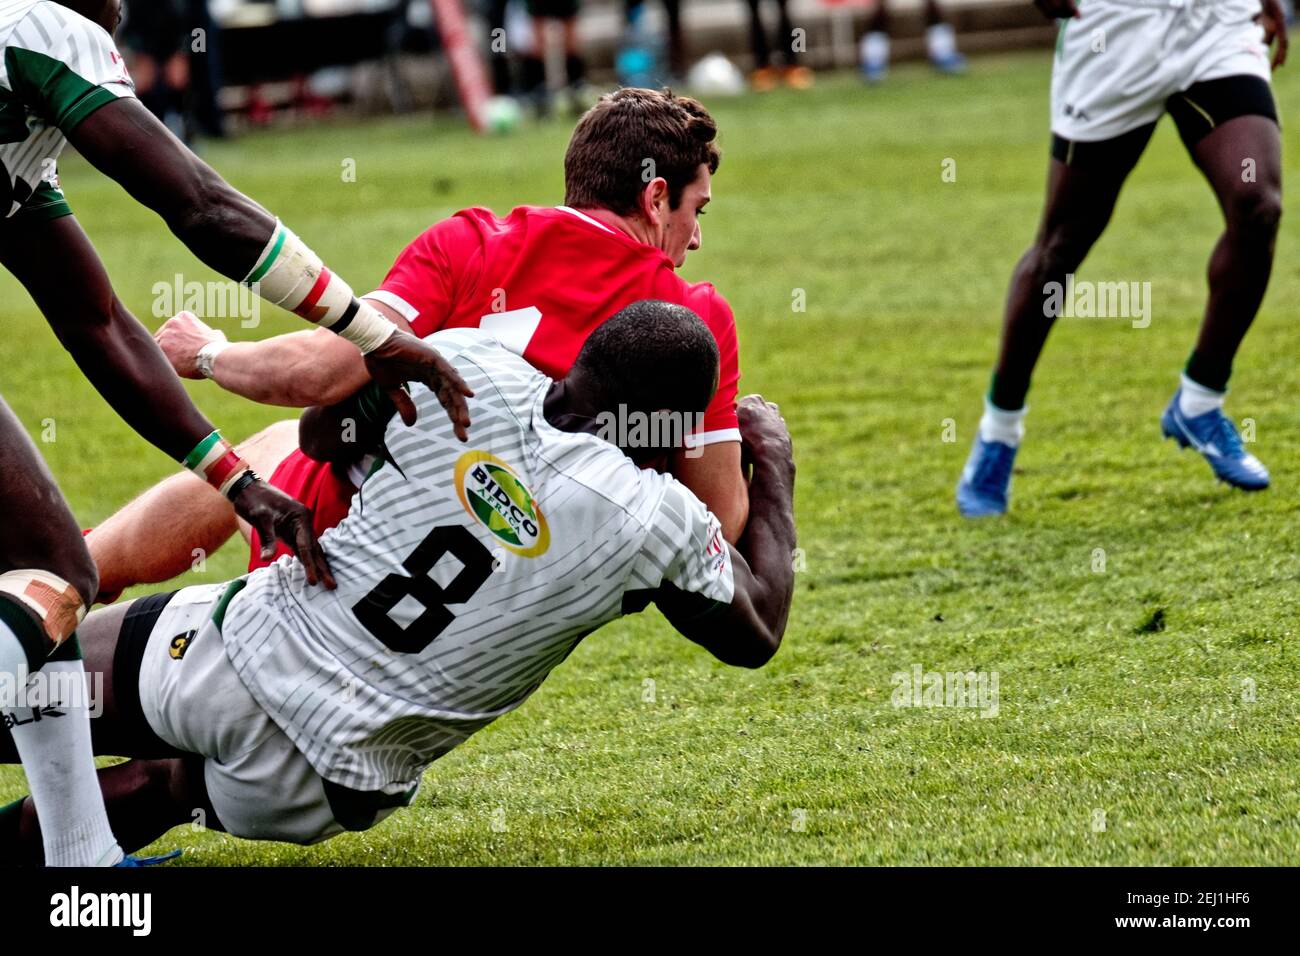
605	165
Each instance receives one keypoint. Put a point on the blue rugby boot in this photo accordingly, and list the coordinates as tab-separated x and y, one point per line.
986	480
1215	437
133	861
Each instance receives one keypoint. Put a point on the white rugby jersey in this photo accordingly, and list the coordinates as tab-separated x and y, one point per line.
465	573
56	68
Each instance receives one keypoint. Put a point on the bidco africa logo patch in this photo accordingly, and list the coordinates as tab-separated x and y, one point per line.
491	492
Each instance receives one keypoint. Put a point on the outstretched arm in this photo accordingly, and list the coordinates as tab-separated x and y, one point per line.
297	370
120	359
748	631
241	240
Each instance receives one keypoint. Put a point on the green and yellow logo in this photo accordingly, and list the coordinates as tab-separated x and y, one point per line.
493	494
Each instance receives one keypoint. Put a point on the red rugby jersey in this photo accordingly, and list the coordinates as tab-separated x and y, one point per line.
542	279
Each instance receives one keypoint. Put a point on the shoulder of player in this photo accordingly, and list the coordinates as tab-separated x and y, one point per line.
45	23
605	472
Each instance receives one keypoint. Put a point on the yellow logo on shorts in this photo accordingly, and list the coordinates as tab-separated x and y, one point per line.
180	644
492	493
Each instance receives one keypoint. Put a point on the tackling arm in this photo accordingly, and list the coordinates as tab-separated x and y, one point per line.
748	631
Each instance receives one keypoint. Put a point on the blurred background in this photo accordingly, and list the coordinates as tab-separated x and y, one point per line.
209	67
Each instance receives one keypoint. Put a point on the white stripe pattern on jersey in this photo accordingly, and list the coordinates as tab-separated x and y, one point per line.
45	27
370	718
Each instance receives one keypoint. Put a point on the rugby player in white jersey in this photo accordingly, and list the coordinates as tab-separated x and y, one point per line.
465	574
63	81
1120	66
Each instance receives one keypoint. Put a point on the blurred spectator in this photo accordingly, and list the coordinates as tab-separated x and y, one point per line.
533	63
940	43
175	62
637	42
494	12
155	34
765	76
205	69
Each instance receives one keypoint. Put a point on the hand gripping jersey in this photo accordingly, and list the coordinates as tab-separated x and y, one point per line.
56	69
465	574
540	280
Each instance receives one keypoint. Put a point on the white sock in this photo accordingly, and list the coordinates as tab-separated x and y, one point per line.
1000	425
874	50
940	41
60	765
1195	399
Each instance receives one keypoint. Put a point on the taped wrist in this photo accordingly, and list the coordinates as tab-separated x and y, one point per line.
215	461
293	277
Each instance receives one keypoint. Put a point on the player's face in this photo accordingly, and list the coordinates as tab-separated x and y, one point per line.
682	225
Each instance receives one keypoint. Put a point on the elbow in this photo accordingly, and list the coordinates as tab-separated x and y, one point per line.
753	649
762	652
97	329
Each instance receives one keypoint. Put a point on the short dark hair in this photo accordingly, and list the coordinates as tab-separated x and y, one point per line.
605	165
649	356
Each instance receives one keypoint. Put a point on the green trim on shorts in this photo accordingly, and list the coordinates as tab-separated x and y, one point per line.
233	588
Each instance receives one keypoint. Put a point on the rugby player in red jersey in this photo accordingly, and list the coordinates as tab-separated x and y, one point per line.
638	172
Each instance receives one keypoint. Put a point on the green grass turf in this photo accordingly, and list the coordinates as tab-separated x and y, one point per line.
1121	692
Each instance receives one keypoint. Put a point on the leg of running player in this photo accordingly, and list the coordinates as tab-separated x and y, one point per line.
46	575
1242	160
1243	257
1082	187
145	797
199	520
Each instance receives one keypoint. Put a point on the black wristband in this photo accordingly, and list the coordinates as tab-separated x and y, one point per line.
243	481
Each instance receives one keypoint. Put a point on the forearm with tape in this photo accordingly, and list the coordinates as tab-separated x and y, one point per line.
293	277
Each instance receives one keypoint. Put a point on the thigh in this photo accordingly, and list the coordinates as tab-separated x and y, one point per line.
1085	179
1230	127
113	640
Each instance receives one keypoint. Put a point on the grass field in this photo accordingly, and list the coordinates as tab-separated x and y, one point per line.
1147	709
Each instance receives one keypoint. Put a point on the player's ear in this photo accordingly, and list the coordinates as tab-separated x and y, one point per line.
654	201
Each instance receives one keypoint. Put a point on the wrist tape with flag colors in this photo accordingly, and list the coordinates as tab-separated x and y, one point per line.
53	600
293	277
215	461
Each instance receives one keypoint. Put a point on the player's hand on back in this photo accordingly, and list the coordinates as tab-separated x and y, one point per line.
1273	19
180	339
763	432
276	516
405	358
1058	9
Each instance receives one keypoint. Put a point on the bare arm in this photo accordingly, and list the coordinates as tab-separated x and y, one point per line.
56	263
230	233
748	631
297	370
716	478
